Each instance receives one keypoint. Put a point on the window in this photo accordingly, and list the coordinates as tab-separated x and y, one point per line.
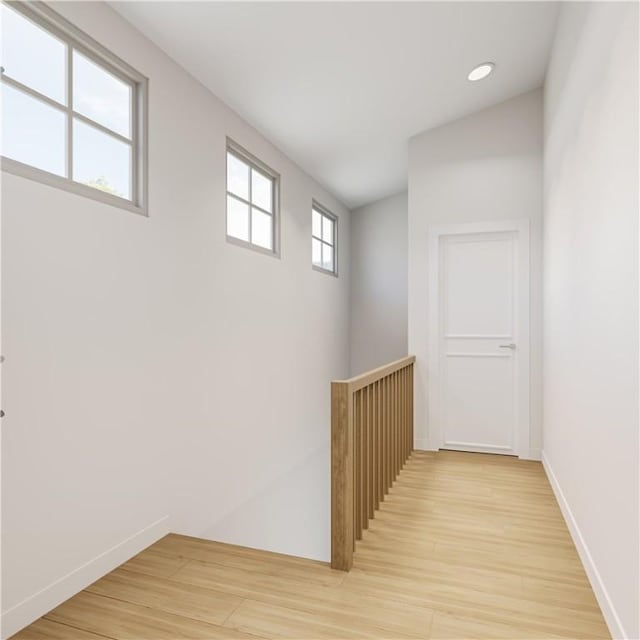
251	201
72	112
324	235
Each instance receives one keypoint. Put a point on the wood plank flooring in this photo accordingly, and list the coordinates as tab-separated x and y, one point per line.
466	546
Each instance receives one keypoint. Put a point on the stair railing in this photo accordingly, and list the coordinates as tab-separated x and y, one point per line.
371	439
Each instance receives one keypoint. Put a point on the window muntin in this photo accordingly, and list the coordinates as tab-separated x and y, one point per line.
324	234
53	70
251	201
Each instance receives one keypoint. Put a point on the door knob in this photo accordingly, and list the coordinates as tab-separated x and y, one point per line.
511	345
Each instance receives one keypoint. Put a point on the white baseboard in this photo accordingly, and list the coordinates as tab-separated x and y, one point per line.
35	606
602	596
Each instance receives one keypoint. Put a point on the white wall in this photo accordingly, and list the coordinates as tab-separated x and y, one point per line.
153	369
487	166
379	283
591	295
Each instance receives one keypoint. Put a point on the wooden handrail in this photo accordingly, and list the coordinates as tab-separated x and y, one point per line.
368	377
371	439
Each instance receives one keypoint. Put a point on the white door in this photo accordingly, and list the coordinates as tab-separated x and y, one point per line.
481	384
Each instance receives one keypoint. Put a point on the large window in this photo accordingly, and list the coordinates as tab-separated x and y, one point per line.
324	239
73	114
252	198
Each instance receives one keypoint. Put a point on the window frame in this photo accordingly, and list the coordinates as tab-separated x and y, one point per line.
323	211
252	162
75	39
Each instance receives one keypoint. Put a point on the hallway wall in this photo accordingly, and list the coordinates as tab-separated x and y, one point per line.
591	296
378	283
484	167
158	377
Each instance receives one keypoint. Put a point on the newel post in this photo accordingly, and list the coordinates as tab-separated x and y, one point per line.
342	490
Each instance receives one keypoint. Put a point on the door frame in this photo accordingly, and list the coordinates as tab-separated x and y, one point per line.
522	328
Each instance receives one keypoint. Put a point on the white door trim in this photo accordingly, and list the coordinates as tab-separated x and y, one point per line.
521	226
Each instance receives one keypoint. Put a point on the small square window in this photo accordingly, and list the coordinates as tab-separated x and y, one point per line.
324	236
251	201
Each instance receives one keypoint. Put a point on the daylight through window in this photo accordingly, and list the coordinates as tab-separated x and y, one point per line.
71	113
251	201
324	230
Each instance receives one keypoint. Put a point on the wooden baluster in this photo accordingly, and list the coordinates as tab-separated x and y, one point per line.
402	420
355	469
383	417
381	430
364	516
378	449
363	459
365	455
358	474
409	413
365	462
403	400
374	450
392	423
399	413
389	440
380	443
395	426
406	411
372	499
406	404
365	510
369	504
388	431
394	416
401	408
411	407
398	423
397	374
406	401
399	430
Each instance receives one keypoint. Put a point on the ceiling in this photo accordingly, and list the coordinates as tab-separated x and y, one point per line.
340	87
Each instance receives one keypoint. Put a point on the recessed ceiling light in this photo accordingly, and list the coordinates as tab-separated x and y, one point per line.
481	71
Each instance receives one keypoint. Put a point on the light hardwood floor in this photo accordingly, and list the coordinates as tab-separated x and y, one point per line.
466	546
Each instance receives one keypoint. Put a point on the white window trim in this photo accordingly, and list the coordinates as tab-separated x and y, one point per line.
315	205
253	162
59	27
